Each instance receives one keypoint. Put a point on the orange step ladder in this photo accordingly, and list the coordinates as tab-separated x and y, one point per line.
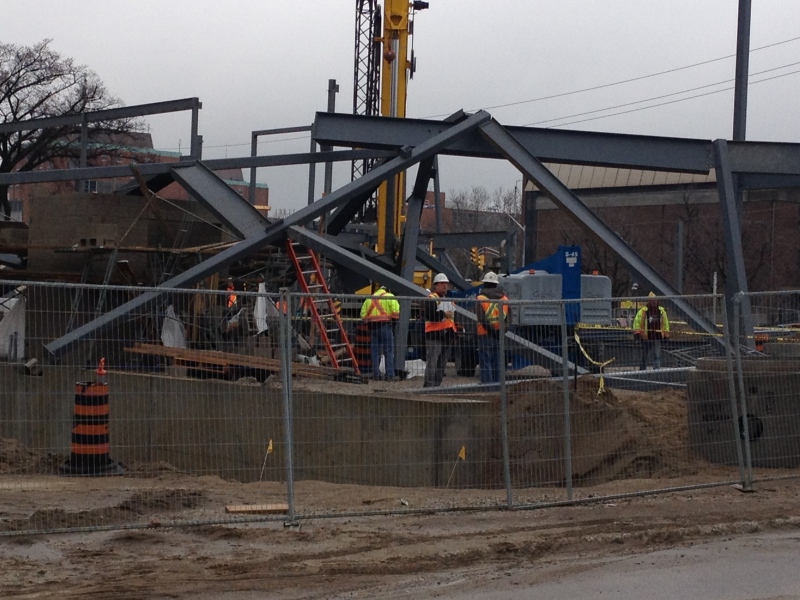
324	314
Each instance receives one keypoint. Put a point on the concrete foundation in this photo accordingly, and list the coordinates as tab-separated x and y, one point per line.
773	412
209	427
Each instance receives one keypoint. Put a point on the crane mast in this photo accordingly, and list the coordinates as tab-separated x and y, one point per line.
383	57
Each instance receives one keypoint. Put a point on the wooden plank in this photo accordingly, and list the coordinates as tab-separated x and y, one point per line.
257	509
226	359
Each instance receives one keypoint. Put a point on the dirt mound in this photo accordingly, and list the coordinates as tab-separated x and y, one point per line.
16	459
613	434
149	502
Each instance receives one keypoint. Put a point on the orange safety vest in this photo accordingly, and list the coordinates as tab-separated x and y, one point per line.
231	297
375	312
443	325
492	311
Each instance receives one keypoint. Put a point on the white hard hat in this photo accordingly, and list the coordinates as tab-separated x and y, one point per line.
441	278
490	277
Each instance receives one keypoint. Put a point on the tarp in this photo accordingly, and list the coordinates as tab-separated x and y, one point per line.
173	334
260	310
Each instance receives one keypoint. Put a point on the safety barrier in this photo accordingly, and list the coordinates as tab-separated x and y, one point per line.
227	410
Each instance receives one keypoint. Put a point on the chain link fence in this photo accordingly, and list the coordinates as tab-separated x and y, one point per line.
227	406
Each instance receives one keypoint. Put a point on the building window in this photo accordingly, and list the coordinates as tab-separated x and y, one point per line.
90	186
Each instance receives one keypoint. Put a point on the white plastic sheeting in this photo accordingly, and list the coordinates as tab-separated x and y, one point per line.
173	333
260	310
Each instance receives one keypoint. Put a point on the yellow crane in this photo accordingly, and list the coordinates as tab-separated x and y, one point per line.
396	66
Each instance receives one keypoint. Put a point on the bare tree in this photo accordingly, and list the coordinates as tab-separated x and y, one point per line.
35	83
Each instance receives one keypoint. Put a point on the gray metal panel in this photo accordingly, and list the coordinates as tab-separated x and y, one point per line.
549	145
568	201
216	195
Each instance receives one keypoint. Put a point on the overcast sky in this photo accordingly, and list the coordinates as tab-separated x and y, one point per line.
266	64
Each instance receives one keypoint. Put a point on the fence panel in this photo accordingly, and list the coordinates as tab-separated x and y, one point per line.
218	406
183	419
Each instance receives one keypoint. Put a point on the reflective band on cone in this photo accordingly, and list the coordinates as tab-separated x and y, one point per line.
90	443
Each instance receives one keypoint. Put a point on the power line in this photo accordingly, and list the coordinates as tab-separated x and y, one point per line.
694	89
670	102
621	82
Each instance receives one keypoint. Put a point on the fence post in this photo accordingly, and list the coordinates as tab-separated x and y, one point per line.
745	426
729	353
286	386
565	389
501	352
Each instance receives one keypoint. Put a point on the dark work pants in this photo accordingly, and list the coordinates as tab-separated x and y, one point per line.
489	358
436	350
647	347
382	343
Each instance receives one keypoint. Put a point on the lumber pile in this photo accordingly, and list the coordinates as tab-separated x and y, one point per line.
225	362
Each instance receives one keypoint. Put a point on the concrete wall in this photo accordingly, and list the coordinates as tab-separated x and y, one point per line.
773	409
221	428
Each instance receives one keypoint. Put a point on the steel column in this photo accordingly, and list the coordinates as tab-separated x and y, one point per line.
742	72
408	255
736	277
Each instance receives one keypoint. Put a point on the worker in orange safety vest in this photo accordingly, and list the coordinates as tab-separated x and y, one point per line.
491	310
440	330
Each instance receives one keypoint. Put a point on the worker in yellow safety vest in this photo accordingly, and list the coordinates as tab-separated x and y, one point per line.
379	312
651	325
440	331
491	310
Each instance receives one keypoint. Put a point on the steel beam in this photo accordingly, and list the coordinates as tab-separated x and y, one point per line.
566	200
435	264
124	112
217	164
568	147
468	239
219	198
549	145
276	231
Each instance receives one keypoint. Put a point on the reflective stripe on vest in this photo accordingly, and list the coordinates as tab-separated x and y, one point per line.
491	309
375	305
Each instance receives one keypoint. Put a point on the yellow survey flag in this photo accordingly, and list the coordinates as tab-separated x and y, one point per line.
463	453
269	448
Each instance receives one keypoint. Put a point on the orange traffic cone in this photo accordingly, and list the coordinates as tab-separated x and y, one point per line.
91	444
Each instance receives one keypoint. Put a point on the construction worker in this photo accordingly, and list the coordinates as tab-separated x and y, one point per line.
231	299
440	331
380	312
651	325
490	310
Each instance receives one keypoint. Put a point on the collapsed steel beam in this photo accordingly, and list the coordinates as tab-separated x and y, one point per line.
566	200
408	157
401	287
240	217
